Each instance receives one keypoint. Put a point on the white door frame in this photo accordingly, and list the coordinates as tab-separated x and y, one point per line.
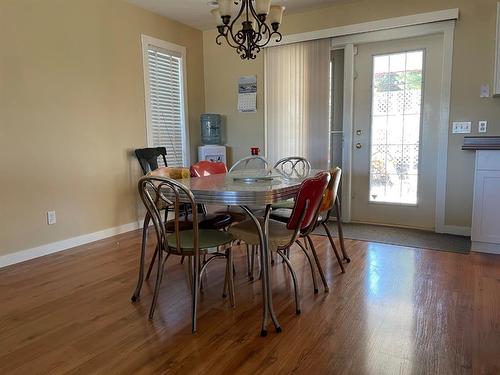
348	42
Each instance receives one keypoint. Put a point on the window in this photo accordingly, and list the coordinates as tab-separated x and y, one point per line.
165	84
395	128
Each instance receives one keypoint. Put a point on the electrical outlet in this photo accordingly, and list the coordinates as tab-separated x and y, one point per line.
51	217
463	127
483	127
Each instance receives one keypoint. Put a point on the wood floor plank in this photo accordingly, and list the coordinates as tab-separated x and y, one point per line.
396	310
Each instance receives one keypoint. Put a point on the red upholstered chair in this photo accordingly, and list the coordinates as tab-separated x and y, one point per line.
329	206
282	236
206	168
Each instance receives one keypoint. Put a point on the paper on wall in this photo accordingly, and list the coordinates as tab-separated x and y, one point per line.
247	94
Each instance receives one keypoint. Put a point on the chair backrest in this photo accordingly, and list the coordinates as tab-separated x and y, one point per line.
148	157
253	162
308	199
293	166
158	193
207	168
331	191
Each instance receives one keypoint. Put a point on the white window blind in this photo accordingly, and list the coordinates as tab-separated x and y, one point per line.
165	102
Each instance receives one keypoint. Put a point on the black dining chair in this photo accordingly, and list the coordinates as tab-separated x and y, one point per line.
148	158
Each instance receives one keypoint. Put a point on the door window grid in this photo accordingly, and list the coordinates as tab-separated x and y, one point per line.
395	134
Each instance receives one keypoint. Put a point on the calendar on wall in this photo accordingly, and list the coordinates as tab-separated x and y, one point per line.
247	94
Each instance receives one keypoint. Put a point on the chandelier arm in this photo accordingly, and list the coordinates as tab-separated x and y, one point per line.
254	13
234	43
258	35
243	6
240	40
263	33
278	39
233	40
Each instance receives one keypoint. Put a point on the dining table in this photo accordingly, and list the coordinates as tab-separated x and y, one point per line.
247	189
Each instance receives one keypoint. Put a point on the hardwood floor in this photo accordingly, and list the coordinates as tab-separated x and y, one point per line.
395	311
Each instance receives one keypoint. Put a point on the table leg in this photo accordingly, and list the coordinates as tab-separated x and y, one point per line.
268	309
140	279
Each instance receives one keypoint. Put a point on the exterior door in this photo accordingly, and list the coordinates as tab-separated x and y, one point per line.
395	141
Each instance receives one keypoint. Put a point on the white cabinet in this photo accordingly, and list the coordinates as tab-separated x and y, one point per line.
486	209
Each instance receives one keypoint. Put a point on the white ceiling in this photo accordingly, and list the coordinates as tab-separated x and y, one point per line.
196	13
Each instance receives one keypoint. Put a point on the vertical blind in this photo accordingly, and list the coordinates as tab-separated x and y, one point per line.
166	104
298	102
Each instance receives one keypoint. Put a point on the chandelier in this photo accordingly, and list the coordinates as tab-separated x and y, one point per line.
248	31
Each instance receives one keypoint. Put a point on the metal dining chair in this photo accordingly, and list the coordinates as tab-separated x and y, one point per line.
250	162
329	205
205	220
291	167
282	236
157	192
207	168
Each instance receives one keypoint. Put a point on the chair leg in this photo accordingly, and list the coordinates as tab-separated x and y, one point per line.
159	277
229	260
294	278
152	263
190	272
318	264
341	232
140	278
252	262
313	272
201	276
224	289
248	260
334	247
195	269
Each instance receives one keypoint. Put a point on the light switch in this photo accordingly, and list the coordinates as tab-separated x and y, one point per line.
51	217
463	127
483	127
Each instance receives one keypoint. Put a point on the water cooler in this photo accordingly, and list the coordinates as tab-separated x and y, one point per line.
211	137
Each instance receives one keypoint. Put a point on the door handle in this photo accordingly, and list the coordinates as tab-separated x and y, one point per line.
358	145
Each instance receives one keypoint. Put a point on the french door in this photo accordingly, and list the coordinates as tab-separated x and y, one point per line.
395	131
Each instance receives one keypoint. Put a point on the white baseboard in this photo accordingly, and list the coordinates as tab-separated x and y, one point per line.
39	251
459	231
484	247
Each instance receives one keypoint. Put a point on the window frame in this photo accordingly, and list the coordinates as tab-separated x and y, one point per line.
146	42
422	99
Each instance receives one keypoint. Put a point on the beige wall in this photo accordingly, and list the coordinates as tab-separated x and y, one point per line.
71	111
473	66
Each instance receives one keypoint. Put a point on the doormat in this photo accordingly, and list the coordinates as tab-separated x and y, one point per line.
401	236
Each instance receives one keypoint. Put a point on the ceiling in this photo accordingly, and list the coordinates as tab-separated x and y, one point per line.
196	13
